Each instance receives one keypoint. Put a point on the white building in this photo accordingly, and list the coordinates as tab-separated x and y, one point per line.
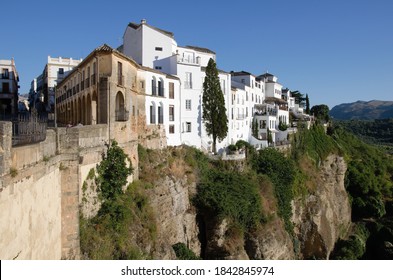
56	69
247	91
9	80
156	48
162	103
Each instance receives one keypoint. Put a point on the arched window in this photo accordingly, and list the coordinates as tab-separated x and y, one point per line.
121	112
153	86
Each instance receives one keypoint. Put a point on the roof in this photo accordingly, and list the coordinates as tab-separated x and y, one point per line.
159	72
107	48
199	49
203	68
265	76
241	73
136	26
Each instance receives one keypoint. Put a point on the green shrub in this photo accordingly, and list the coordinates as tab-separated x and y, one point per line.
281	172
227	194
113	171
354	247
183	253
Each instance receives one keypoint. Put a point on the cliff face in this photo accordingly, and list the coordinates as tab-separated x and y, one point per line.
175	216
325	215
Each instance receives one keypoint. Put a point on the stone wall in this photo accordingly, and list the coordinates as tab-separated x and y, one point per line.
41	187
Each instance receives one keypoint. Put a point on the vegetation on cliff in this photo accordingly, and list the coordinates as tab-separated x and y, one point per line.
246	195
122	216
374	132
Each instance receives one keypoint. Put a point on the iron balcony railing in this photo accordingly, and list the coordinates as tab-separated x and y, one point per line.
122	115
29	129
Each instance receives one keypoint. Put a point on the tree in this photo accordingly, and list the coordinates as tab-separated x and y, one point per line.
213	103
299	97
113	171
321	112
307	105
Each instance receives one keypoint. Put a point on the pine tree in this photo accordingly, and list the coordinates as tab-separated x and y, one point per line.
213	103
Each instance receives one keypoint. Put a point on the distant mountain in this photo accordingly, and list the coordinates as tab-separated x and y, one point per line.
363	110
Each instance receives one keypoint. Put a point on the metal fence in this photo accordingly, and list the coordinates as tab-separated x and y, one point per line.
28	129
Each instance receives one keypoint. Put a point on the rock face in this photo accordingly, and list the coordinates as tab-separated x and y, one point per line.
223	241
270	242
324	216
175	216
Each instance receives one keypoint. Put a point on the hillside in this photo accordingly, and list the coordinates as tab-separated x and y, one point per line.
375	132
329	197
363	110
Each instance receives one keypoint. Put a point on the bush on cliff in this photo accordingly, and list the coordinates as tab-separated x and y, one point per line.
229	194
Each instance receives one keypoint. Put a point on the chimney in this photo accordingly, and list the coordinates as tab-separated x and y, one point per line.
143	21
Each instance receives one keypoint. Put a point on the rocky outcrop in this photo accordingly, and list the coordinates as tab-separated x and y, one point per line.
175	216
270	242
325	215
224	241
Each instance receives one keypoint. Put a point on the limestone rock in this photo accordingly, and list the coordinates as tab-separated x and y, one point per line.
324	216
175	216
270	242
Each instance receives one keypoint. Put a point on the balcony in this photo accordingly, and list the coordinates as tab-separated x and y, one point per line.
93	79
122	115
189	60
87	83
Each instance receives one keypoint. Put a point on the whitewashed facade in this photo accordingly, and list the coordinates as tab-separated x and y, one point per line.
156	48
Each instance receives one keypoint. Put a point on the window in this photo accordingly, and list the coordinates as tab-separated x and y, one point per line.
159	49
171	90
6	87
160	115
171	129
141	84
120	78
160	88
158	67
6	74
188	81
152	115
188	104
171	113
188	127
223	85
61	71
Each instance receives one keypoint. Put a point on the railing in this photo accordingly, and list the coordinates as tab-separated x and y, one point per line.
122	115
87	83
189	60
93	79
28	129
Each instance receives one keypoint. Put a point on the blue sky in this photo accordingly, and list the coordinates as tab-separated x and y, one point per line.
337	51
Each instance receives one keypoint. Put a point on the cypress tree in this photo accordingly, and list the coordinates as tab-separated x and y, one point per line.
213	104
307	105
